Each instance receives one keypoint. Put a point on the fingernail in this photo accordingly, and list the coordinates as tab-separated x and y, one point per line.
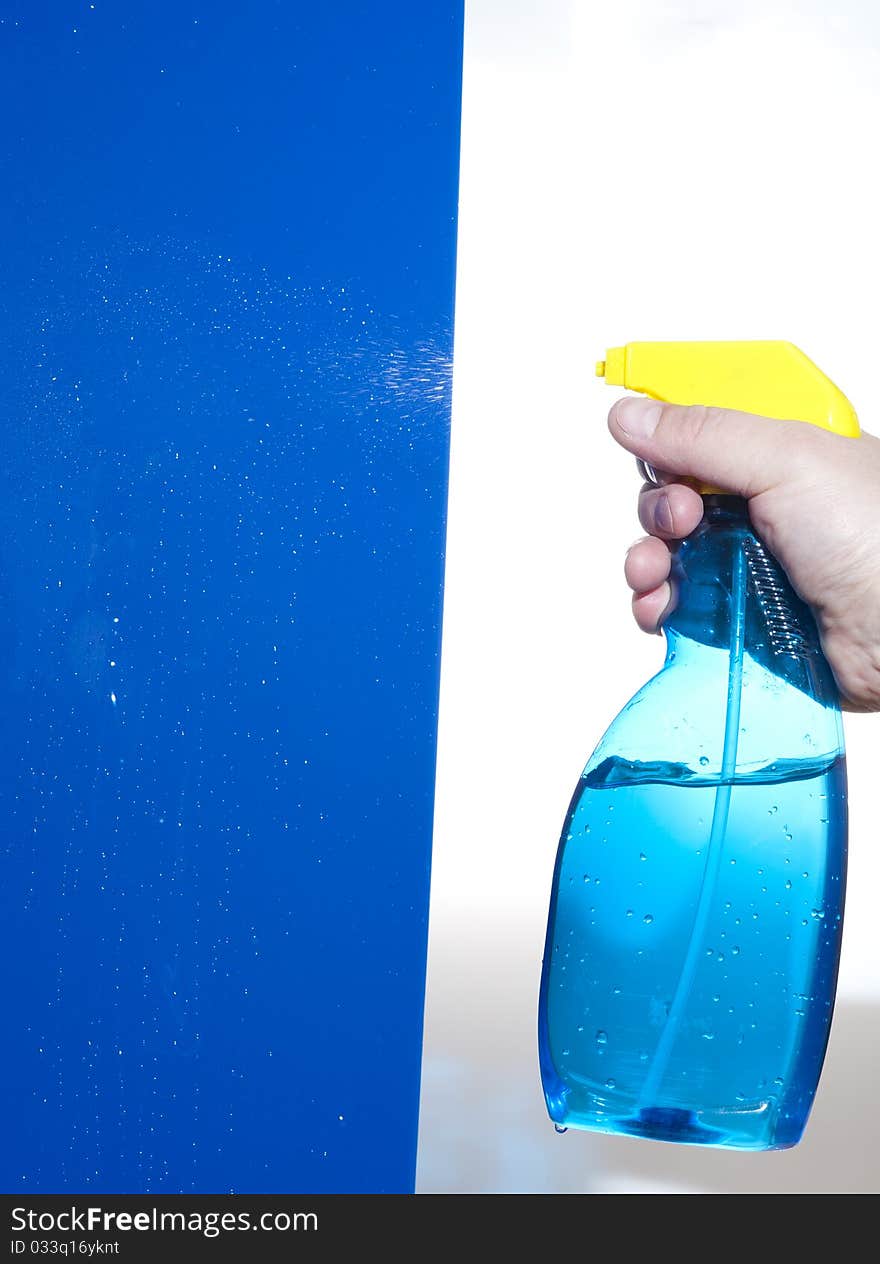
637	418
663	514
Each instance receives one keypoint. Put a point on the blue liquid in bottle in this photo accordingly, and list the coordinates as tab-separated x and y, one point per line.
694	931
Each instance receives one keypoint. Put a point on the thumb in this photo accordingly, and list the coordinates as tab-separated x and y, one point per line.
739	452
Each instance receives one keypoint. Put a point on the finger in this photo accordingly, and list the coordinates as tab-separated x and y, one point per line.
647	564
670	512
650	608
738	451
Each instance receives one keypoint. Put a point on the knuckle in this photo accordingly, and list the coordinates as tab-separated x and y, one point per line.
689	424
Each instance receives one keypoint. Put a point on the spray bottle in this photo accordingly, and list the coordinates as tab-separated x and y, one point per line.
694	932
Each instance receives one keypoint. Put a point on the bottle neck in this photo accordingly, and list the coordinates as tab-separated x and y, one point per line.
703	567
725	511
779	630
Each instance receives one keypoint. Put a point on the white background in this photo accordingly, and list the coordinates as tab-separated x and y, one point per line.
635	170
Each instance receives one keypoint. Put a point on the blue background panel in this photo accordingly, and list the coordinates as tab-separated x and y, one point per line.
229	239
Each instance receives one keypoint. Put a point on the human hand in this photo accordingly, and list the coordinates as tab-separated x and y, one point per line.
813	498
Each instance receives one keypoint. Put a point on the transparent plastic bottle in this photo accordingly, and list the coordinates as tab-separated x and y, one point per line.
695	923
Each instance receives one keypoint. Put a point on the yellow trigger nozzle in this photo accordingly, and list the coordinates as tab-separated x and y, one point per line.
772	379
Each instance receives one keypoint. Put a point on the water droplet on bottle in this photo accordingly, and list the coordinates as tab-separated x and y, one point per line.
740	1097
708	1035
760	873
770	811
566	1053
733	862
643	1057
611	1083
559	1128
648	919
580	1028
629	912
779	1081
642	856
720	957
788	838
805	874
704	760
735	951
716	999
709	952
818	914
788	885
601	1037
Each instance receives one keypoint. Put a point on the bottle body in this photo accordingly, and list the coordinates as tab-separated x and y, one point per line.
694	929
